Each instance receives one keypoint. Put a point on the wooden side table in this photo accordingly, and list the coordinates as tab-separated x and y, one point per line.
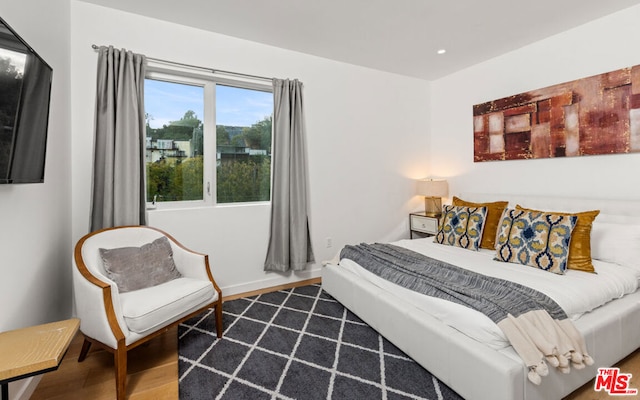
34	350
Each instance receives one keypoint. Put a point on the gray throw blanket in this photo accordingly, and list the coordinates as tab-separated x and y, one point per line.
535	325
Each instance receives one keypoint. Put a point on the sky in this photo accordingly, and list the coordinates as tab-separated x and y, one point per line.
167	101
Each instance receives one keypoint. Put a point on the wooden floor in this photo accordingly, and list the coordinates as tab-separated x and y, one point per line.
153	373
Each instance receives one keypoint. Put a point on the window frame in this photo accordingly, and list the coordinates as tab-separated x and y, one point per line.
208	80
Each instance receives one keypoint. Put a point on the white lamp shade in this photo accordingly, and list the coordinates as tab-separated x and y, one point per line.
432	187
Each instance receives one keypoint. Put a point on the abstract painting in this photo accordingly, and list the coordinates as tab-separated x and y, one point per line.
595	115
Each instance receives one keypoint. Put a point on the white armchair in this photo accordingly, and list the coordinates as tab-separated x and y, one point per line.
120	321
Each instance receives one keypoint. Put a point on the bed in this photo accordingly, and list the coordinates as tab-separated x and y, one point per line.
473	359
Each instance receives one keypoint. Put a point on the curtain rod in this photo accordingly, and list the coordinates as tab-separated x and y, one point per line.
212	70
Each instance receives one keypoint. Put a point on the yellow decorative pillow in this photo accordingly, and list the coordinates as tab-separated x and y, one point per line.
580	246
494	212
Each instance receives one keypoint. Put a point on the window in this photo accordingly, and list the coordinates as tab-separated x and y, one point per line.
174	141
186	163
243	144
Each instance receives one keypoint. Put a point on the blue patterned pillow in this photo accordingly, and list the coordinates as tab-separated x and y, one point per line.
535	238
461	226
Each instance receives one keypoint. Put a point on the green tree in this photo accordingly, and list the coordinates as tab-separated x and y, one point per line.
256	136
238	181
190	172
259	135
238	140
190	119
182	129
159	176
242	181
175	181
197	141
148	118
222	136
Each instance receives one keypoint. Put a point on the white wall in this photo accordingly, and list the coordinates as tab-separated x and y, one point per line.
604	45
35	219
366	133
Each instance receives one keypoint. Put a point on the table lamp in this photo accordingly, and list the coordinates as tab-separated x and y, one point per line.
433	191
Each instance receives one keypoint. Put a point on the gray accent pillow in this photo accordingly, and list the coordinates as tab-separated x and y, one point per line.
133	268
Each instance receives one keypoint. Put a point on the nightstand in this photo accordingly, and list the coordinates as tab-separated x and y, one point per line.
423	224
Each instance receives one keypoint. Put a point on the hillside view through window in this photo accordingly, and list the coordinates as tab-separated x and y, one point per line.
178	143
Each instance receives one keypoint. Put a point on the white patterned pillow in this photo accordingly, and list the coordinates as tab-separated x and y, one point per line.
535	238
461	226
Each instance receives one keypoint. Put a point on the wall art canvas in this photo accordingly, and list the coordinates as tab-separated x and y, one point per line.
594	115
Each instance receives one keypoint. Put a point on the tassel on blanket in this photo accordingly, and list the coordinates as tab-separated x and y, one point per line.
534	377
539	339
563	361
536	372
553	358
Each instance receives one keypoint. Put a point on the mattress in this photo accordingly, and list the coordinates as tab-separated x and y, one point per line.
576	292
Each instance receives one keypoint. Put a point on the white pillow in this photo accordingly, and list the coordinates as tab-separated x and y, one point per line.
619	219
616	243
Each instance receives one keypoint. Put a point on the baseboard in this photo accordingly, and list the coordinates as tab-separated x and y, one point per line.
279	282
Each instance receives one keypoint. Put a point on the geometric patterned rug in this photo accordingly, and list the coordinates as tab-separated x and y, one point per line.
296	343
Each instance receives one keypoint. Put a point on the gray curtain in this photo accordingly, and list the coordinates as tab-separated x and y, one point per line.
289	242
118	196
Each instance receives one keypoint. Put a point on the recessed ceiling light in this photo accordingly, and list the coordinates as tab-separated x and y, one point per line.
441	51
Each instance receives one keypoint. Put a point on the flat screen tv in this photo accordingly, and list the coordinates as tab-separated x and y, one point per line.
25	90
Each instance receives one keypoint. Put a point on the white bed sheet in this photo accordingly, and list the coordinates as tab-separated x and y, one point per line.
576	292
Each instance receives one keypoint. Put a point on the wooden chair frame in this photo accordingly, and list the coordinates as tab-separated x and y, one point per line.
120	353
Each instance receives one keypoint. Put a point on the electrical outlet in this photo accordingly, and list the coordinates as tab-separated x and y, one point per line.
329	242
